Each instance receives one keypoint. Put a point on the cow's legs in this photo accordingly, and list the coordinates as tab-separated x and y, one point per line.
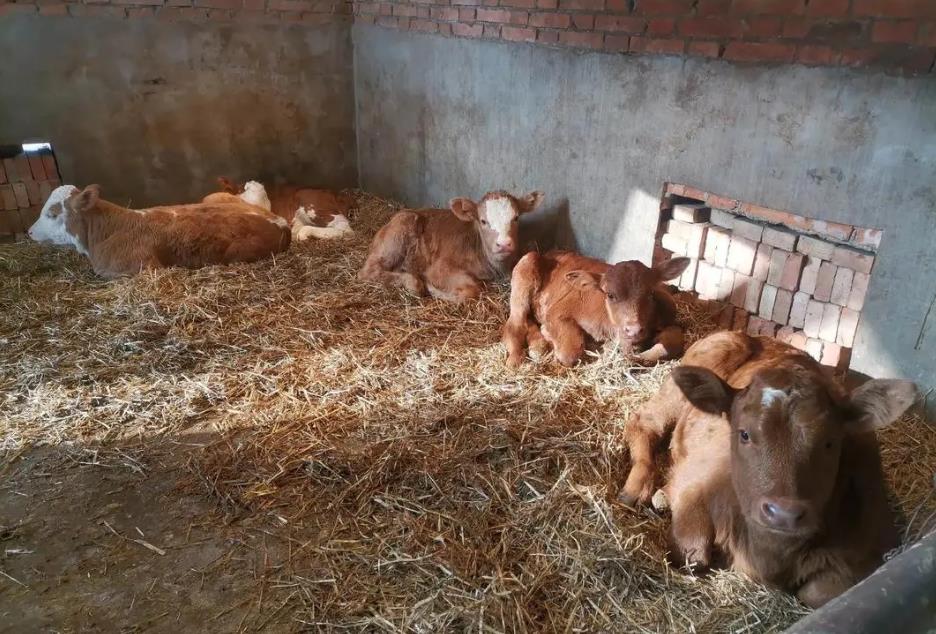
652	421
453	286
567	339
388	254
520	329
824	588
667	345
693	532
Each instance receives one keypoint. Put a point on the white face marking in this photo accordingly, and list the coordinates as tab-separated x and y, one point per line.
500	214
50	227
770	394
255	194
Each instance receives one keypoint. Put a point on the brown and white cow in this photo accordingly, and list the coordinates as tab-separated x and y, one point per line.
121	241
312	213
561	298
776	470
448	254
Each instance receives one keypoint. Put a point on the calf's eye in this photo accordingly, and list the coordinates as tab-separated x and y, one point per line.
484	222
745	437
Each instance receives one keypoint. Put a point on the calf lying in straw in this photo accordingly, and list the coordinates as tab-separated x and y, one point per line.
776	470
561	298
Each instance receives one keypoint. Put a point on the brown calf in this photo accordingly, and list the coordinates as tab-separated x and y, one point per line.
561	297
121	241
448	254
312	213
776	470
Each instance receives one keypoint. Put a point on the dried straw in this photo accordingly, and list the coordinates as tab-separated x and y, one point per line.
415	483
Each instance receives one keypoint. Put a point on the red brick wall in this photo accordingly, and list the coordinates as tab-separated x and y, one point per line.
896	35
303	11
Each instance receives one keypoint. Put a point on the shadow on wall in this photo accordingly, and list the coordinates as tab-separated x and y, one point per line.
549	227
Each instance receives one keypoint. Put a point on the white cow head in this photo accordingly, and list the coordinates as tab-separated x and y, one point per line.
255	194
497	218
50	227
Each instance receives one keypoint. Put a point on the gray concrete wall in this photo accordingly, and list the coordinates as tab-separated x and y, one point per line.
439	117
155	110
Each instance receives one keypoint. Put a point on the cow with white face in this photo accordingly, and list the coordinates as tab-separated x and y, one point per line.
49	228
449	253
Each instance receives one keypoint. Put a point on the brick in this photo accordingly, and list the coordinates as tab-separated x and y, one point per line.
688	278
739	290
798	310
847	327
815	247
763	27
693	234
518	34
759	52
828	327
831	355
853	258
23	171
444	13
704	49
21	194
616	43
835	230
859	289
717	243
791	271
45	188
712	7
8	197
899	32
9	168
28	216
756	325
723	218
725	285
813	321
818	55
619	24
32	191
674	243
708	278
548	37
661	26
657	46
927	36
798	340
894	8
784	265
36	167
581	39
710	27
867	238
824	282
810	275
827	8
741	254
467	30
780	238
785	334
841	286
692	213
769	328
762	261
583	21
747	229
767	300
782	306
662	7
814	348
582	5
773	7
551	20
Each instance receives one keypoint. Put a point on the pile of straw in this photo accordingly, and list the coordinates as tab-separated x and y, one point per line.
417	483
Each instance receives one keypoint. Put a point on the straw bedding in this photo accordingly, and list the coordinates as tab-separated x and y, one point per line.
418	484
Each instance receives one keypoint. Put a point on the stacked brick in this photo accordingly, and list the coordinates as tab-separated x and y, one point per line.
770	279
25	183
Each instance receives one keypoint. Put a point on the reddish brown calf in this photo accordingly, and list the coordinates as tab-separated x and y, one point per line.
448	254
561	298
776	470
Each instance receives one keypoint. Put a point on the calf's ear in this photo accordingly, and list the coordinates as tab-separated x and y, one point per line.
86	199
226	185
464	209
530	202
583	279
704	389
671	268
878	403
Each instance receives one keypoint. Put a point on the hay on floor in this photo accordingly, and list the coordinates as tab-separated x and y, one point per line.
418	483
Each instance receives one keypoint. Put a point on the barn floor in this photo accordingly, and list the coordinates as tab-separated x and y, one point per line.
277	446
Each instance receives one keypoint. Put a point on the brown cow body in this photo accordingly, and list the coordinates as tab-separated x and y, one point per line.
121	241
448	253
561	298
789	489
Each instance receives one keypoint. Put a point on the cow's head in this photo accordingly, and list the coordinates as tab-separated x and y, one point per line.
50	226
229	186
497	218
251	192
628	289
788	427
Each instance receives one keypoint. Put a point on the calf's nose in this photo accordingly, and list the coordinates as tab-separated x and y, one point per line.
782	513
633	331
504	245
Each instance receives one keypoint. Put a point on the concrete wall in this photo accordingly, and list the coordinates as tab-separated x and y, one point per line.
154	110
439	117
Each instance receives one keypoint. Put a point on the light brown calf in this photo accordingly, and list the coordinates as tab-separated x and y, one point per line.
121	241
312	213
561	298
447	254
776	470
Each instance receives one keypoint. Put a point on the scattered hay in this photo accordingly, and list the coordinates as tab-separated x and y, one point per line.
416	483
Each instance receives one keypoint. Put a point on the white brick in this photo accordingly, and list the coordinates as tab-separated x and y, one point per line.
814	348
828	328
810	275
813	321
717	242
848	327
767	299
824	281
687	279
752	297
782	306
859	290
798	309
722	218
780	238
691	212
841	287
747	229
741	252
815	248
673	243
725	285
762	261
739	291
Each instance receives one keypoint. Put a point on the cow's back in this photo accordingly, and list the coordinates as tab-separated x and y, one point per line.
285	201
561	299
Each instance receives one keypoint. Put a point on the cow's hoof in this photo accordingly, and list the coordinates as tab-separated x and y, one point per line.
659	501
